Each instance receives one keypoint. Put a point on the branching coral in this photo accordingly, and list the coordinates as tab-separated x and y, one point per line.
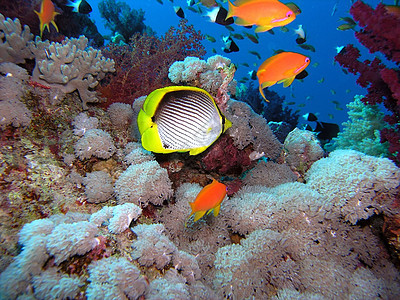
14	41
142	65
70	66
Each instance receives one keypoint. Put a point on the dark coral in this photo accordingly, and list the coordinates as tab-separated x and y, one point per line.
272	110
380	31
224	158
142	65
120	18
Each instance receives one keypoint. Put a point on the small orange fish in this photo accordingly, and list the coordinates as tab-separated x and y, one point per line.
47	15
279	68
265	14
209	199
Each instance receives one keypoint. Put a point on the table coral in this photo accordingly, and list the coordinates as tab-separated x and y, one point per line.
70	66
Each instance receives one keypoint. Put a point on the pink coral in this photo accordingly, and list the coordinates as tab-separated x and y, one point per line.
225	158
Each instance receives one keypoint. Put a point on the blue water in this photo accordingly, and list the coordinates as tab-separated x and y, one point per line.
319	19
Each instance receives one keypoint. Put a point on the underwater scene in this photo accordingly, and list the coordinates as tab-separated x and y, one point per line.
199	149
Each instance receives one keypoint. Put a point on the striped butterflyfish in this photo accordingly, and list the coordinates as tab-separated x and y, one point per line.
180	119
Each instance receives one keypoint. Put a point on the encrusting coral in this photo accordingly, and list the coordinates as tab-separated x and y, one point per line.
13	85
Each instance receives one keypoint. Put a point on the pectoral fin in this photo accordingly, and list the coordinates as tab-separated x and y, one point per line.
263	28
288	81
241	22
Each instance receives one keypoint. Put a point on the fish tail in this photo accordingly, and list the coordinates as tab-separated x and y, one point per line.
262	92
231	10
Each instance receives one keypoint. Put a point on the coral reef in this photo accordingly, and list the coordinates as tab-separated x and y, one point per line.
113	277
214	75
70	66
95	142
379	33
250	128
86	212
13	82
302	149
142	65
122	19
356	184
98	186
362	131
272	111
14	41
143	183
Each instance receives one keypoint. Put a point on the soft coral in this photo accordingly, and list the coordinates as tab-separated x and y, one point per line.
142	65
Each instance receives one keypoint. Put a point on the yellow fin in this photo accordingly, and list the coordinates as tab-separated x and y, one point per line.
241	22
262	92
198	215
288	81
216	210
263	28
196	151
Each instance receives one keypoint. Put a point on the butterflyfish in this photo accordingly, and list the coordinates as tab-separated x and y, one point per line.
46	15
281	68
265	14
180	119
209	199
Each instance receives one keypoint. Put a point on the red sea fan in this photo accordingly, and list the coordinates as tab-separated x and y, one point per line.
380	31
142	65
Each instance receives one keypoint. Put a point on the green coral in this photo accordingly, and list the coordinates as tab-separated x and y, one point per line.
362	131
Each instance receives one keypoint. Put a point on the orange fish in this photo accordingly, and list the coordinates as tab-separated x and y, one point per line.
265	14
209	198
279	68
47	15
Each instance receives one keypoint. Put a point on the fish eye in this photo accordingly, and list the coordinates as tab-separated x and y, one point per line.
289	14
307	60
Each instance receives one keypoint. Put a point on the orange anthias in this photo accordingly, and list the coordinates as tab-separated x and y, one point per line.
209	198
279	68
46	15
265	14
